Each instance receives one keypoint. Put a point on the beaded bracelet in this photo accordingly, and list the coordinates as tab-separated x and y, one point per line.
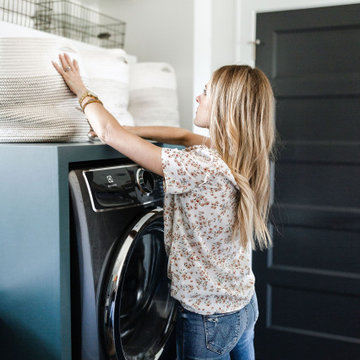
89	102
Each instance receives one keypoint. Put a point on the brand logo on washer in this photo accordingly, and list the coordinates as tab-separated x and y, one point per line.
110	179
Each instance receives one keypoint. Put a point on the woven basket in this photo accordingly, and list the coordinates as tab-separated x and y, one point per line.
35	103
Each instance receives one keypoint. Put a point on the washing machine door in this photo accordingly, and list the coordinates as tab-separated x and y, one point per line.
138	312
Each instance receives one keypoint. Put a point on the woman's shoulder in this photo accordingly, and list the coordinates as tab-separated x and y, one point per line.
203	154
211	158
202	150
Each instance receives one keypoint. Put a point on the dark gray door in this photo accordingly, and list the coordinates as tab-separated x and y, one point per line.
308	284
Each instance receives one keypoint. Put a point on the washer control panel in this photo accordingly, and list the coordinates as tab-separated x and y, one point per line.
118	187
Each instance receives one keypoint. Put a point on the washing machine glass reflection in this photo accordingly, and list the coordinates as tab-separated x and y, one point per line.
139	310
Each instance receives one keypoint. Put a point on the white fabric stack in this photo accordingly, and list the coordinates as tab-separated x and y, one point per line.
153	94
35	103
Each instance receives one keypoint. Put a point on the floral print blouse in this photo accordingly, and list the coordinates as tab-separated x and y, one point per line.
210	273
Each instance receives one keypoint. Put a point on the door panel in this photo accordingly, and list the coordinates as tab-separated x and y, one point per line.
311	115
295	46
289	313
318	184
308	284
324	244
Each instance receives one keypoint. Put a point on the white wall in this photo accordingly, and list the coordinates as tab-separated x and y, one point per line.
247	18
214	41
160	30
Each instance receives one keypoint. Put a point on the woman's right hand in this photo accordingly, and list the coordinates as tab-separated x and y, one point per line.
70	72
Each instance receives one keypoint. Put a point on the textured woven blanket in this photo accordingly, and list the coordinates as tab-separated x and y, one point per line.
35	103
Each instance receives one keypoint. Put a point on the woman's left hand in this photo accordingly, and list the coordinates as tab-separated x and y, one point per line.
70	72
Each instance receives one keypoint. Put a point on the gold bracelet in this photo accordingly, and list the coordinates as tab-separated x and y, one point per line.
89	102
85	95
89	96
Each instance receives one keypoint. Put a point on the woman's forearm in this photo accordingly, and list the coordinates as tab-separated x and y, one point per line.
101	121
168	135
112	133
163	134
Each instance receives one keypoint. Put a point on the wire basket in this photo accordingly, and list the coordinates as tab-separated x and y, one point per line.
28	13
65	18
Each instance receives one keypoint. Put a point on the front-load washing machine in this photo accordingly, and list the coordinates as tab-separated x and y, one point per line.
121	305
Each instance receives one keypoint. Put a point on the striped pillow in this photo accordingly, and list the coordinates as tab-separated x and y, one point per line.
153	94
106	73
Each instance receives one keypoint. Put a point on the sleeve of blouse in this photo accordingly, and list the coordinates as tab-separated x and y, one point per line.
183	170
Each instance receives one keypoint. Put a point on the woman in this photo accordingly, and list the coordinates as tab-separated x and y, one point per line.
215	207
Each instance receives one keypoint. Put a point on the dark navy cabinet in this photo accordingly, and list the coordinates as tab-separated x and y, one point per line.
35	320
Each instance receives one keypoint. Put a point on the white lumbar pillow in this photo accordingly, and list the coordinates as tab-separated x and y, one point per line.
153	94
106	73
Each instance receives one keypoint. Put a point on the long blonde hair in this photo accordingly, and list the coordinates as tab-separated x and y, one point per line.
242	130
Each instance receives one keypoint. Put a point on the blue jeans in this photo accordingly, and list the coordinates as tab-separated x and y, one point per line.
217	337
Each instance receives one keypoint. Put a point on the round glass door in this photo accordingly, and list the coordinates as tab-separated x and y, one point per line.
139	312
